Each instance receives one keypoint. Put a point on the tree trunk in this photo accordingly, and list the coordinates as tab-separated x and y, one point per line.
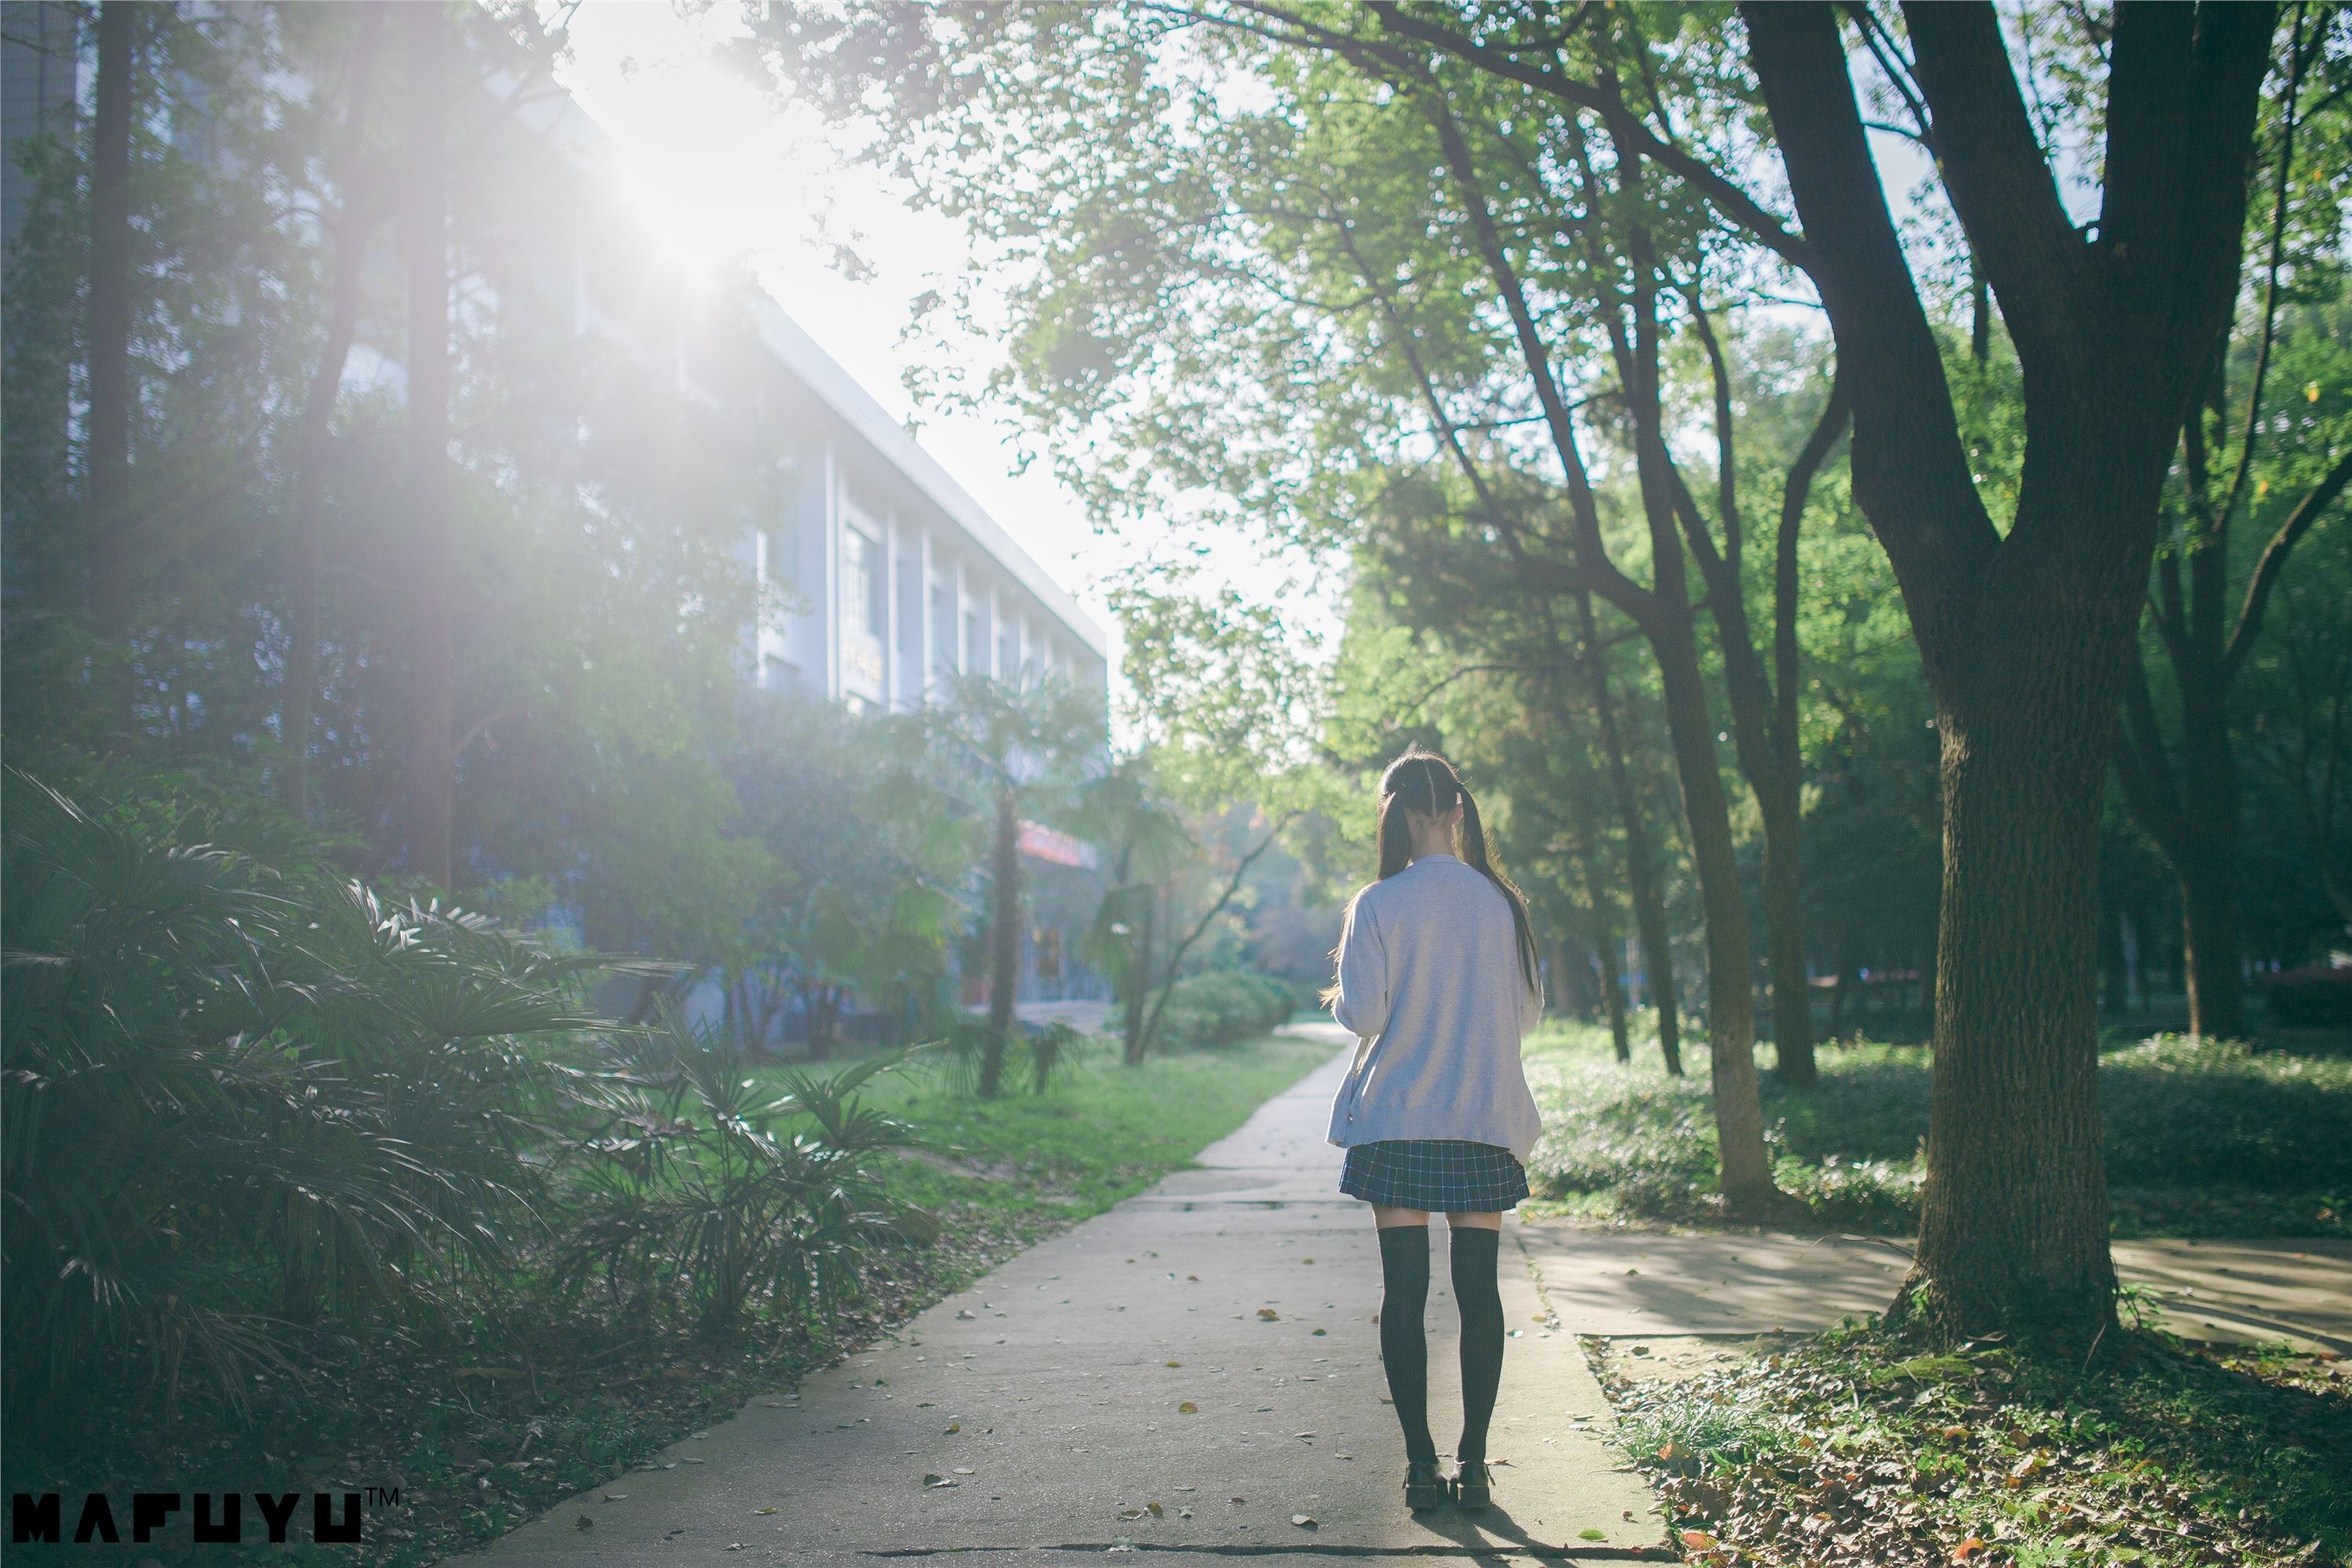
1613	998
2026	634
111	311
1747	1173
431	618
2013	1218
1138	980
2207	867
304	618
1003	943
1640	863
1793	996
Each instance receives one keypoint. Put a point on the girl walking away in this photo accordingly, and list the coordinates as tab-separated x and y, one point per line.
1437	978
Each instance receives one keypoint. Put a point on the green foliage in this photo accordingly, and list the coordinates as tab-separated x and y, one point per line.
1044	1058
702	1195
2202	1139
240	1093
1221	1007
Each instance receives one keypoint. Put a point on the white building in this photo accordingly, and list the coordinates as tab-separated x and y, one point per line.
896	575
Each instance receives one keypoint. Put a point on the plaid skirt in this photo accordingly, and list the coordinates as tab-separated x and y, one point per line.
1439	1176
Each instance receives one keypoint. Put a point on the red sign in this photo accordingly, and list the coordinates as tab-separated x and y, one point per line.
1045	844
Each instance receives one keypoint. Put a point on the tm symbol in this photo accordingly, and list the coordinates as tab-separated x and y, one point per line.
383	1497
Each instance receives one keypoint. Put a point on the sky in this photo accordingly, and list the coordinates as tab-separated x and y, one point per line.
718	170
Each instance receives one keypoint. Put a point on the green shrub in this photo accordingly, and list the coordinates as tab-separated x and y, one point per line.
241	1096
2201	1137
1221	1007
693	1199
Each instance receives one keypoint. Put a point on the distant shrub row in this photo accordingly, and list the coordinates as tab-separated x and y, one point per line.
1222	1007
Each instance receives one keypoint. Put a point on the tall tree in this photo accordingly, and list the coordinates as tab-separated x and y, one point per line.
2028	635
431	618
1022	749
2206	622
348	218
112	312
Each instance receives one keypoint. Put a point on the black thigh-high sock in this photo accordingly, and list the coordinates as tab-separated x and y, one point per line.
1404	1347
1481	1300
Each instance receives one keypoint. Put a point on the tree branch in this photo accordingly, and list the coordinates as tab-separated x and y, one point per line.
2273	561
1727	198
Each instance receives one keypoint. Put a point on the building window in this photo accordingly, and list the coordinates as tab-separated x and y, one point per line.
783	546
864	607
975	645
943	632
910	612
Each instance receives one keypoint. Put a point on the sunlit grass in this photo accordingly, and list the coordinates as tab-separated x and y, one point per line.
2202	1139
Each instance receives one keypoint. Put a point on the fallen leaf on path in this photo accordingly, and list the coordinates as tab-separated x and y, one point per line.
966	1315
616	1497
1188	1408
1593	1535
1303	1521
935	1481
1971	1547
1307	1260
584	1522
1268	1313
963	1472
1157	1512
951	1426
1175	1364
763	1512
1322	1331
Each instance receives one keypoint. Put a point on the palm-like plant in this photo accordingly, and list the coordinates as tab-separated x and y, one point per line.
238	1095
1024	748
693	1187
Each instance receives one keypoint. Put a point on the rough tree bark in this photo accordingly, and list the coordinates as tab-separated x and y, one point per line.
2026	636
431	618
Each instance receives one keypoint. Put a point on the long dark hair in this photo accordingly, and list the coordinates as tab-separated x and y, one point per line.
1421	784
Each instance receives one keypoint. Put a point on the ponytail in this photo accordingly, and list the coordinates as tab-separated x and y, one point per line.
1474	851
1422	783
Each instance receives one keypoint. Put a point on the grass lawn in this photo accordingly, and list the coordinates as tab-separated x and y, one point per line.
1852	1449
484	1421
2201	1139
1026	1165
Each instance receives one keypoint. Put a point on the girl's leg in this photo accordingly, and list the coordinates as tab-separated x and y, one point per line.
1404	1349
1474	1239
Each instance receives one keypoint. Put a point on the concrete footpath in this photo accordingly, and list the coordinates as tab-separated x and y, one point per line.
1197	1370
1194	1371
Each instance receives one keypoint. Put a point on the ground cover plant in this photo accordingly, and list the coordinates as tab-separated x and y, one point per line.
1854	1448
530	1394
310	1189
2203	1138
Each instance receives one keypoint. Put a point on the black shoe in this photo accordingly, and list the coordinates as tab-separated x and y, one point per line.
1424	1489
1474	1487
